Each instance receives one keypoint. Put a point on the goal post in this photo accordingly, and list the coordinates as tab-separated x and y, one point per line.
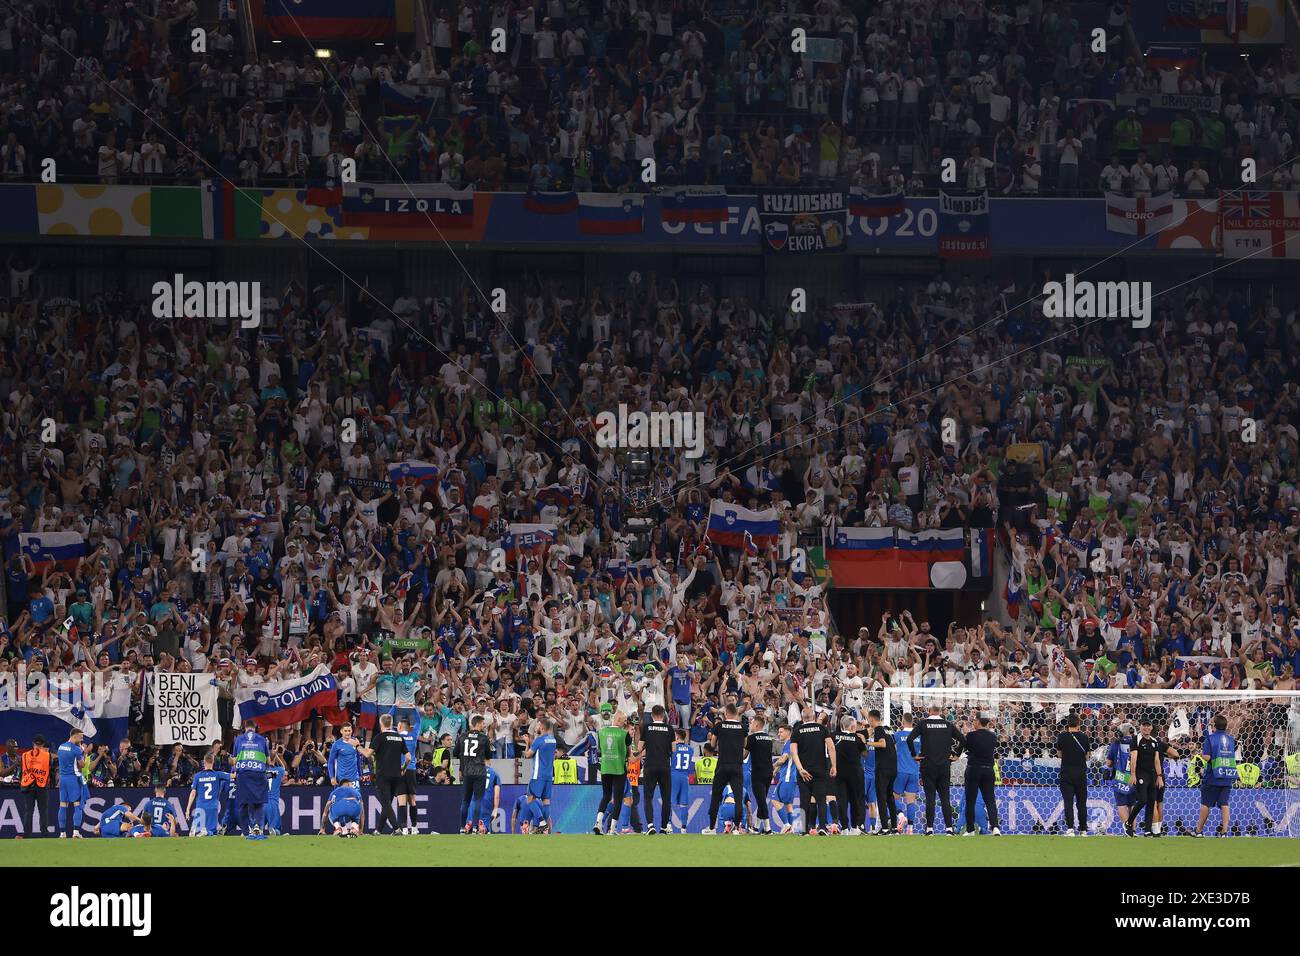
1264	802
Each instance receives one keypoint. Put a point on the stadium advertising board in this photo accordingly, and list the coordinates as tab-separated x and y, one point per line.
1023	809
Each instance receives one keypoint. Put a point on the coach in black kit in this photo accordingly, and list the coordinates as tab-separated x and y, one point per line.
1073	746
981	751
656	771
849	792
940	743
728	738
759	745
814	757
388	747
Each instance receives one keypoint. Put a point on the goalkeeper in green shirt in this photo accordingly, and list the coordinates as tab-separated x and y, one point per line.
613	742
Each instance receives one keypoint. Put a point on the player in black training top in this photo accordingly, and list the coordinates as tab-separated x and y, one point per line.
814	757
886	770
940	745
656	769
759	745
1073	747
981	752
849	781
728	737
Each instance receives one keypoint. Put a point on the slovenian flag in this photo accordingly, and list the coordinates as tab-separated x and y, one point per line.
937	544
981	553
551	204
611	214
405	99
886	204
863	544
482	507
693	204
48	548
413	473
731	525
286	702
559	495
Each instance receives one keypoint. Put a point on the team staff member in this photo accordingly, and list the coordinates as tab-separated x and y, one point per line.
1121	765
474	750
1220	753
35	785
387	751
981	751
940	744
813	752
1164	749
849	795
1150	778
759	745
728	737
882	741
1073	747
656	763
613	741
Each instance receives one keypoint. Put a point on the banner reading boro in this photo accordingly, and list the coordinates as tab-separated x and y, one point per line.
801	223
285	702
964	225
185	709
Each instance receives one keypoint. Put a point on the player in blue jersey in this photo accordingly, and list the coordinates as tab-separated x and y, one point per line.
485	807
343	810
203	809
1121	767
70	758
542	750
274	778
252	757
230	814
908	782
159	815
522	815
729	812
869	788
787	781
683	762
343	762
117	821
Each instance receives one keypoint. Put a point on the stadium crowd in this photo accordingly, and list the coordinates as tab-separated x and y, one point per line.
116	93
232	528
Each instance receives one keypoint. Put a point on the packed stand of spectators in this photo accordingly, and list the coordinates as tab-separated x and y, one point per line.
585	92
231	529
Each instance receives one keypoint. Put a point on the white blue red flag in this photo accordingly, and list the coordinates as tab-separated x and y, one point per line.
732	525
286	702
611	214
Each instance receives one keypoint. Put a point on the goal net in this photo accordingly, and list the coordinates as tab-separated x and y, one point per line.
1266	724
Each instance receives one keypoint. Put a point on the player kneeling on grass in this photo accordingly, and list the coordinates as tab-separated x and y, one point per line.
159	819
343	810
117	821
729	813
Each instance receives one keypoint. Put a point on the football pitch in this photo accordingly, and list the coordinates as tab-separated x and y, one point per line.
661	850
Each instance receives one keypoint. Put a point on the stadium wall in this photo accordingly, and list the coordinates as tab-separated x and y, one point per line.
1023	809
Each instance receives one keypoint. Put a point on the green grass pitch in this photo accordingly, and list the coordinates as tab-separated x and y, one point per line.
659	850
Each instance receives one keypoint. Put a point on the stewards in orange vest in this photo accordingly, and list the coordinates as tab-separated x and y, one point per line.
35	786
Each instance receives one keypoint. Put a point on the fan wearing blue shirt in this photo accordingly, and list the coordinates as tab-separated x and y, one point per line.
204	806
70	757
542	750
908	781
